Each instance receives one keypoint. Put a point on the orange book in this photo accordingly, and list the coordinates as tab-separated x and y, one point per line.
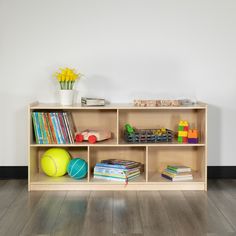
52	128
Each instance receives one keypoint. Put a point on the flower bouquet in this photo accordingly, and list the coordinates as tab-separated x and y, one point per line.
67	78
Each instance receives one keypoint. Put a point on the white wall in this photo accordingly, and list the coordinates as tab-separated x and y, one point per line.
127	49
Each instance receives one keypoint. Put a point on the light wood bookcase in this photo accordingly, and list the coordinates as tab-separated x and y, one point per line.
155	157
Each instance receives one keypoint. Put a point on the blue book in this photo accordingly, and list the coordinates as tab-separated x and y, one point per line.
38	127
35	128
60	129
121	167
42	127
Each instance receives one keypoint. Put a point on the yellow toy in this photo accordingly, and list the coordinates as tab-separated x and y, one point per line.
54	162
183	132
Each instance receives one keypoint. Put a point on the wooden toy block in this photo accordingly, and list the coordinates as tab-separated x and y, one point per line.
181	128
193	133
185	128
182	134
180	139
185	140
193	140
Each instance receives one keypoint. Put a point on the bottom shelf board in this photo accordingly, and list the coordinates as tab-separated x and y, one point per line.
41	178
41	182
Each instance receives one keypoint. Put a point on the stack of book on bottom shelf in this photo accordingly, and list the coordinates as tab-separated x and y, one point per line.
117	170
177	173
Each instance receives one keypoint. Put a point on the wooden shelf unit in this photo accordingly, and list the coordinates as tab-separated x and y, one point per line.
154	156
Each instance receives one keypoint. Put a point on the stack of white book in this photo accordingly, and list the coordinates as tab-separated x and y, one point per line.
92	101
177	173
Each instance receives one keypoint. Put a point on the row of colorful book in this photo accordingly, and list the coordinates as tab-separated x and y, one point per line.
53	127
177	173
117	170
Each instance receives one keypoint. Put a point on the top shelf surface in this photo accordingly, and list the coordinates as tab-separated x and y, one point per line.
128	106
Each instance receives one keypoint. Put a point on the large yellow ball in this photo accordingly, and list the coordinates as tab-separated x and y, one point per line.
54	162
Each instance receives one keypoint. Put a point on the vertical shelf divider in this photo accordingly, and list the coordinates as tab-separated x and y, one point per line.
147	160
117	126
89	168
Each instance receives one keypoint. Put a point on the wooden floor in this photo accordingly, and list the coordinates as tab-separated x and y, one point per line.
118	213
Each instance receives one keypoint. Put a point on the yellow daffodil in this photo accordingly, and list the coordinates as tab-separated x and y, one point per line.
67	77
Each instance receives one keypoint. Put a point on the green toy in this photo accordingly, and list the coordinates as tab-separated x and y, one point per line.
129	128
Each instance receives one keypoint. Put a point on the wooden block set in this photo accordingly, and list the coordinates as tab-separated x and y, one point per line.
186	135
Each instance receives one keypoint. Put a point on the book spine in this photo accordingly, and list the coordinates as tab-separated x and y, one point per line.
71	125
51	128
35	128
45	123
53	117
109	171
116	175
111	166
67	127
38	127
115	178
42	128
63	128
166	176
109	178
58	128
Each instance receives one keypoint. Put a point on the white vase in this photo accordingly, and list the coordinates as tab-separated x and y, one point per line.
66	97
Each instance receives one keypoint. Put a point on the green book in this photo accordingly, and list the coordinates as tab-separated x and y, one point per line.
179	169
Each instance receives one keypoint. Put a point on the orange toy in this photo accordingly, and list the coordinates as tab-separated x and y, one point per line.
192	133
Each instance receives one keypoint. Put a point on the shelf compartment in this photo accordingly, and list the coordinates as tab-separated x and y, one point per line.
97	154
96	119
36	174
160	157
148	119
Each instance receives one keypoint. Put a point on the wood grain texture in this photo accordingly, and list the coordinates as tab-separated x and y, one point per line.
153	214
116	213
98	219
8	193
210	218
72	215
44	217
19	212
181	216
224	202
126	213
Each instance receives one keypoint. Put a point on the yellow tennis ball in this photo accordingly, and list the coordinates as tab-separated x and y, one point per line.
54	162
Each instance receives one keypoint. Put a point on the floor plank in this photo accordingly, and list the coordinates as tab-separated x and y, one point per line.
182	218
19	212
8	193
117	213
98	219
45	215
211	219
126	215
153	214
228	186
71	218
224	202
